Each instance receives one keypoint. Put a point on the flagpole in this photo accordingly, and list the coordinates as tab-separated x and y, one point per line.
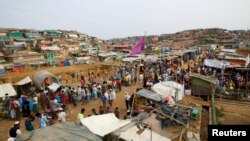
247	62
136	84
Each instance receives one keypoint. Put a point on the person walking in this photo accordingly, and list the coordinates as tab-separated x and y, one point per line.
127	100
104	101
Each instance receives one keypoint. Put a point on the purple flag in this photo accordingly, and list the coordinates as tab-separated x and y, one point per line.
138	47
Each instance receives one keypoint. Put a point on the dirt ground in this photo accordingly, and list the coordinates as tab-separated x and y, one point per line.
16	76
234	118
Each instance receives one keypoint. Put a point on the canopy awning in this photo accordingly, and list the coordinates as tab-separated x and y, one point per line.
62	131
24	81
215	63
7	88
103	124
149	94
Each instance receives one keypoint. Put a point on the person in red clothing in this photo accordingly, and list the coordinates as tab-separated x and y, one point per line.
63	97
82	80
71	96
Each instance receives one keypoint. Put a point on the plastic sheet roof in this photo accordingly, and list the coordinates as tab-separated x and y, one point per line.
103	124
68	131
149	94
7	88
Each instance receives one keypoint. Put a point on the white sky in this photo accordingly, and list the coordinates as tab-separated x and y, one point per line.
121	18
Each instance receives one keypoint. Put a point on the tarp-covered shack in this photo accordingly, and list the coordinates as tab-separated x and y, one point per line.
24	81
64	131
42	78
23	85
169	88
7	88
144	127
149	95
144	96
201	85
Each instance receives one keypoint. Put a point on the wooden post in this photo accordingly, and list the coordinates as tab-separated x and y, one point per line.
212	105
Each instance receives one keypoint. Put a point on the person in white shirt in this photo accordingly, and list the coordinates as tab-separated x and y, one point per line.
35	101
127	100
61	115
80	93
141	78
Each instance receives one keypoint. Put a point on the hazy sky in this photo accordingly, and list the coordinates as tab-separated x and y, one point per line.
121	18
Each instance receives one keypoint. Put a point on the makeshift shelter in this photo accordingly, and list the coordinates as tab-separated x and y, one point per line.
7	88
24	81
131	134
17	67
228	50
149	95
49	54
201	85
143	96
23	85
215	63
66	62
103	124
144	127
165	49
81	60
169	88
40	77
58	132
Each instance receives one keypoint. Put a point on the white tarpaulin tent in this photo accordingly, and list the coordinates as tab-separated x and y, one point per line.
215	63
54	86
228	50
52	48
7	88
103	124
169	88
132	135
24	81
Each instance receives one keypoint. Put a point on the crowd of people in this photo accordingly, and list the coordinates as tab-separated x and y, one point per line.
103	84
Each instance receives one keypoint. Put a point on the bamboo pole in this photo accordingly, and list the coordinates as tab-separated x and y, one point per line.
136	85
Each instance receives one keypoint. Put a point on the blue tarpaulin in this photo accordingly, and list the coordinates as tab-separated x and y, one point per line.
66	63
165	49
2	72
